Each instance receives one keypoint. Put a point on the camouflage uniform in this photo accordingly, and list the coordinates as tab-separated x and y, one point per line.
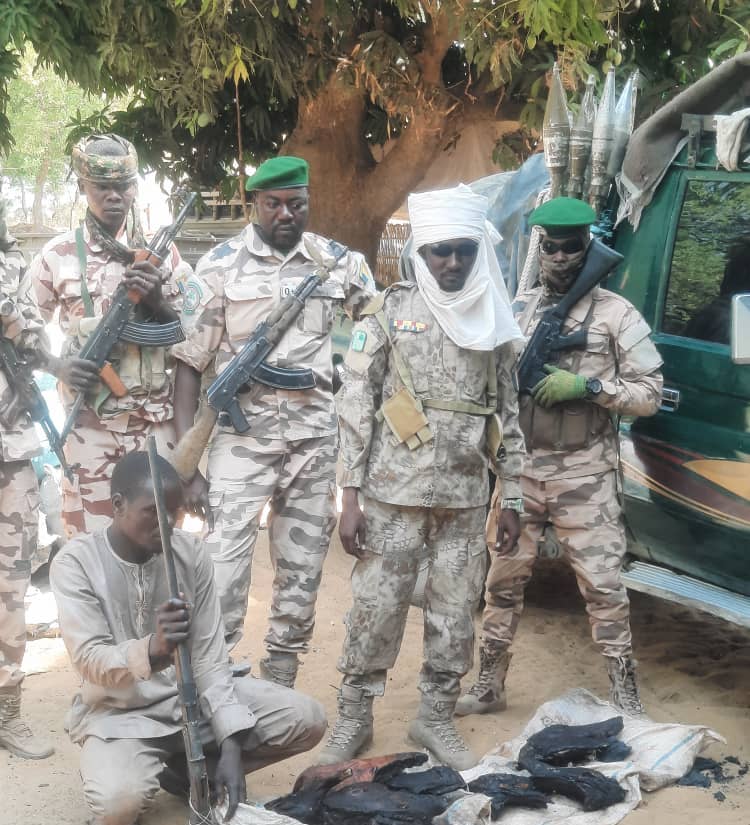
19	492
427	501
570	476
287	457
118	425
19	511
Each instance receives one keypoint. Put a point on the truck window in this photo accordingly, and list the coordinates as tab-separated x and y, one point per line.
711	260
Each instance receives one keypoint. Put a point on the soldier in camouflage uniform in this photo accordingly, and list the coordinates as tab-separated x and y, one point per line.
428	377
287	457
570	476
19	504
107	427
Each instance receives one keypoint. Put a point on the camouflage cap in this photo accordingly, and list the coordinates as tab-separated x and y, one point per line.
90	165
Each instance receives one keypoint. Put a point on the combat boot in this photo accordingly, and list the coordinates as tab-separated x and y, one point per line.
15	734
280	668
623	691
352	732
487	694
434	730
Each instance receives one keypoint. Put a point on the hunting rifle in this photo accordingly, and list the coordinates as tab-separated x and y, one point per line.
200	802
548	340
116	324
249	367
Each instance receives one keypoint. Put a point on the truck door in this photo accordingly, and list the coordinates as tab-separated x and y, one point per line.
687	469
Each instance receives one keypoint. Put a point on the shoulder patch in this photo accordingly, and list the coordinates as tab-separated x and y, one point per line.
359	339
196	293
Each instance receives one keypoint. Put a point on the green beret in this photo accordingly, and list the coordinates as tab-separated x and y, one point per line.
563	213
284	172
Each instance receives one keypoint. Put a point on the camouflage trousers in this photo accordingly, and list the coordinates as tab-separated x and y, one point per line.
397	540
92	449
586	515
298	481
19	514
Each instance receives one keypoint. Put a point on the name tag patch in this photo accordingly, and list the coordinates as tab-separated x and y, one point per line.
399	325
359	339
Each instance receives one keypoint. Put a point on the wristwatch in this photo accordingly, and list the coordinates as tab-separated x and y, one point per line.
593	387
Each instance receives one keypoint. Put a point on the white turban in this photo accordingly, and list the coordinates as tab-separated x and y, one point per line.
479	315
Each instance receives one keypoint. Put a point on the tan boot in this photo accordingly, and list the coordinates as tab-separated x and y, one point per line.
15	734
487	694
434	730
280	668
623	691
352	732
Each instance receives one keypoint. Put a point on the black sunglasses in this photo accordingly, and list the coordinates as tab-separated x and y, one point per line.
569	247
461	250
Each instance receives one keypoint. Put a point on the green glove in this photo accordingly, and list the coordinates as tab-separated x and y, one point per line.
559	385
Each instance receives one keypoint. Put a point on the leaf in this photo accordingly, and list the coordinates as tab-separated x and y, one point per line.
275	9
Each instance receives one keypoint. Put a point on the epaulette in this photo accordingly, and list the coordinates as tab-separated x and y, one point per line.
379	300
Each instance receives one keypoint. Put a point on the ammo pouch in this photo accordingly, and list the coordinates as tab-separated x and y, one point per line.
402	412
571	425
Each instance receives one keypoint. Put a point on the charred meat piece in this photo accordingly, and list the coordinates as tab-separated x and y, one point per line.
566	744
438	780
357	770
370	803
508	790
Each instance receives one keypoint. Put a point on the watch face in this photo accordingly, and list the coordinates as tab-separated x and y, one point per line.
594	386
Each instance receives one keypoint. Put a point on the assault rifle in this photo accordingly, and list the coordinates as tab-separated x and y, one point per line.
249	366
116	324
200	804
28	397
548	340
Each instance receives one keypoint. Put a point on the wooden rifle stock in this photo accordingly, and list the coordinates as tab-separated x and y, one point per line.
200	804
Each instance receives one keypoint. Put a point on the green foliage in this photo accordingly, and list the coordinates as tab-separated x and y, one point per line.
185	60
714	215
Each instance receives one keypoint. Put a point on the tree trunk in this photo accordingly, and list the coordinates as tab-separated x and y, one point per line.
37	208
352	196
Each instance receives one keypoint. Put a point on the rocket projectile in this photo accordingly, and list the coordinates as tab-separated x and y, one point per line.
623	125
556	134
601	144
581	136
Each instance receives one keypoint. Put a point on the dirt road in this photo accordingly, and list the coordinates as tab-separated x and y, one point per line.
694	670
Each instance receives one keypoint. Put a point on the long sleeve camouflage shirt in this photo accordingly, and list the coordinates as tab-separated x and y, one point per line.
25	329
56	277
107	609
619	352
235	287
450	471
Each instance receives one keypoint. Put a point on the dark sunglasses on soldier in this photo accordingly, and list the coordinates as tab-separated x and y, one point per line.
569	247
461	250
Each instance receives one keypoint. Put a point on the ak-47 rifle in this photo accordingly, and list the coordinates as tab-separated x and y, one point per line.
249	366
200	804
27	395
548	340
116	324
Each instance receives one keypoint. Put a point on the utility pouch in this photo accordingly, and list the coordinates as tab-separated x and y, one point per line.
403	414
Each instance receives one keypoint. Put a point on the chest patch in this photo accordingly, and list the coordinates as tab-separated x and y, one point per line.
399	325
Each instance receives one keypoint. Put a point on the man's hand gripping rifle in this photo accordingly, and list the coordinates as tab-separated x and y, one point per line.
116	324
249	366
200	804
548	339
27	395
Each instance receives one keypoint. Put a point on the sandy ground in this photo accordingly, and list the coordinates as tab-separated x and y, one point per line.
694	670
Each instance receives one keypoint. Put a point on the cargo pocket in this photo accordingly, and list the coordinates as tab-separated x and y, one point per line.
319	311
246	305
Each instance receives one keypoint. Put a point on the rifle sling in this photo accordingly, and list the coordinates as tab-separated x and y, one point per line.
88	304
